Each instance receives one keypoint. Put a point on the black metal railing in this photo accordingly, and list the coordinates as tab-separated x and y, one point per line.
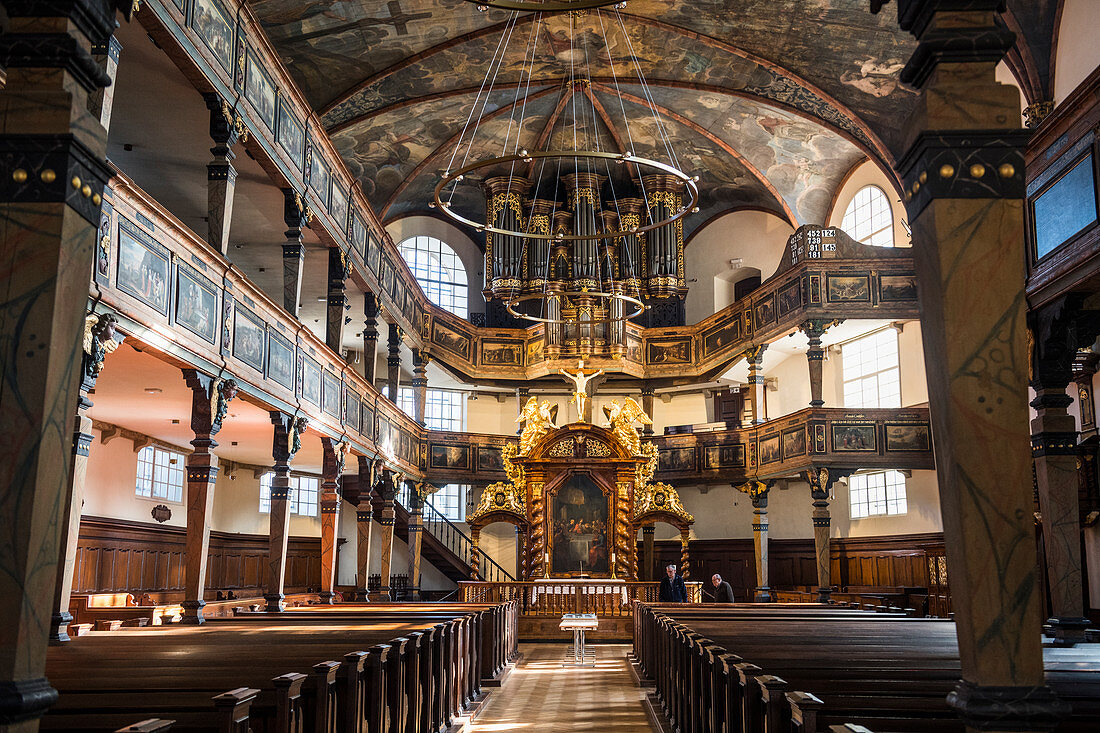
456	540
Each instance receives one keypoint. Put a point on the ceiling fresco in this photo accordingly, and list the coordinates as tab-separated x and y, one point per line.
770	101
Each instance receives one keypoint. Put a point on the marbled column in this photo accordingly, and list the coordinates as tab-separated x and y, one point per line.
209	400
964	188
339	269
760	544
370	336
393	363
1057	328
333	452
364	519
388	492
420	385
821	482
49	215
296	216
221	176
647	407
815	356
285	443
755	402
416	533
647	551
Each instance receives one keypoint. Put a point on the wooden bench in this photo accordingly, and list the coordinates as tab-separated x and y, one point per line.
783	669
371	674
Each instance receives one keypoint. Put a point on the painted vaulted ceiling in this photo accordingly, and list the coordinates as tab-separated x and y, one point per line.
770	102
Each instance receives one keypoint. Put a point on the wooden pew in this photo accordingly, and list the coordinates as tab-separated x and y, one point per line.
778	669
368	680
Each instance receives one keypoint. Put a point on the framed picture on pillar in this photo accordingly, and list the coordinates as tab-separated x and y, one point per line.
851	438
259	90
215	27
280	360
290	134
310	388
330	394
143	267
196	304
249	333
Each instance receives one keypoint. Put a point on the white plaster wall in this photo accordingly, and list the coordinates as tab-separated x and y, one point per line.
237	509
498	541
487	415
1078	53
868	174
467	251
110	484
757	237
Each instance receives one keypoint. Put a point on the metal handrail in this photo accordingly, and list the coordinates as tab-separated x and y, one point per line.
455	540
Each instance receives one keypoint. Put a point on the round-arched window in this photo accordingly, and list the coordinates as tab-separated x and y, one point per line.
868	218
439	271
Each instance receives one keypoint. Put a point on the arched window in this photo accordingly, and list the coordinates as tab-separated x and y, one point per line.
868	218
439	271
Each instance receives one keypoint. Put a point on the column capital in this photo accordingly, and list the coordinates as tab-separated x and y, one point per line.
296	212
981	40
287	439
822	478
226	124
815	328
210	398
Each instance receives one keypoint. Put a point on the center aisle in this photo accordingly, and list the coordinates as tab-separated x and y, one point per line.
541	694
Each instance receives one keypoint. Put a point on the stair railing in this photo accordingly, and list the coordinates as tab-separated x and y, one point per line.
456	540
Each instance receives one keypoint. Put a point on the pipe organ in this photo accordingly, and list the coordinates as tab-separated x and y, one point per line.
567	282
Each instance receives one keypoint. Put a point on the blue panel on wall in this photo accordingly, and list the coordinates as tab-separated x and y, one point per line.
1064	209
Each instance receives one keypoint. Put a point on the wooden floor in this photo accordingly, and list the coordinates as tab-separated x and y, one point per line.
541	694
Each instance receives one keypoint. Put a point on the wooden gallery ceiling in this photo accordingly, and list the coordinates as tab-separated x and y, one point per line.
770	102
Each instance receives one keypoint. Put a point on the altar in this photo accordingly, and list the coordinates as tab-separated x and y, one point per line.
578	494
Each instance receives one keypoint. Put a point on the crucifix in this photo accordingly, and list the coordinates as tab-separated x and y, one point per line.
580	380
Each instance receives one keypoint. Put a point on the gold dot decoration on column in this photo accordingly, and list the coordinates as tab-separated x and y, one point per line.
977	170
48	176
947	170
76	182
1006	170
19	175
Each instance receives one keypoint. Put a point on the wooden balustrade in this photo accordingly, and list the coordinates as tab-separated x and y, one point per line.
553	598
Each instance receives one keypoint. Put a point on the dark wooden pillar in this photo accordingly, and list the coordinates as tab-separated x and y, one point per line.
100	339
387	491
364	518
647	552
339	269
416	534
393	362
55	170
286	442
814	329
821	482
758	493
647	407
333	455
964	186
101	101
370	336
221	176
210	398
756	410
1057	329
296	216
420	385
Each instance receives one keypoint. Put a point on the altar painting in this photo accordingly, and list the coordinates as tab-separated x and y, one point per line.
578	529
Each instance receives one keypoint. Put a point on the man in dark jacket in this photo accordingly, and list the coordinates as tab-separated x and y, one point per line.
723	593
672	588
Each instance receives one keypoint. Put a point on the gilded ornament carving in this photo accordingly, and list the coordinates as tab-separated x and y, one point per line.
659	497
537	419
99	340
562	449
622	418
596	448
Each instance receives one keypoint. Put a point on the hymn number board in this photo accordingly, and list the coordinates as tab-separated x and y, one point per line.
813	244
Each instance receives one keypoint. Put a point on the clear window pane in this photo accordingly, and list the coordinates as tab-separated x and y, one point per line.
877	493
439	271
871	373
868	218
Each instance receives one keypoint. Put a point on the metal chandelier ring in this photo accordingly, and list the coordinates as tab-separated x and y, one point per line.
639	307
525	157
549	6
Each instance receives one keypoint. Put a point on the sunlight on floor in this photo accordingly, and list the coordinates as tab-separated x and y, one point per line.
542	693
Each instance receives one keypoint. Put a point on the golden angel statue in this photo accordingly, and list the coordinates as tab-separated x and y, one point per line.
537	419
100	339
622	418
580	380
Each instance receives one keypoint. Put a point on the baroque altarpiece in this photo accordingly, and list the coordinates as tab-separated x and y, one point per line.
578	495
